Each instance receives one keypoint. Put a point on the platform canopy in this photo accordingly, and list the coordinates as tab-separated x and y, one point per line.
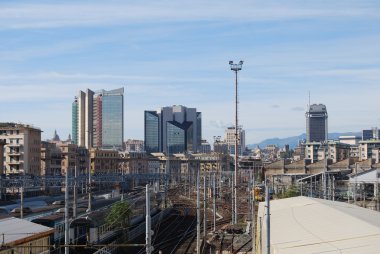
14	231
309	225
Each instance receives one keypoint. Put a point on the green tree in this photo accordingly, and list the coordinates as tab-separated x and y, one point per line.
119	216
292	191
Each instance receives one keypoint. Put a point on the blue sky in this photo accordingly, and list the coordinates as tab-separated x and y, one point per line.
177	52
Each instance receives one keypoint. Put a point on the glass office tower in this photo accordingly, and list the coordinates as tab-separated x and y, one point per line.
98	119
151	133
175	129
316	123
112	119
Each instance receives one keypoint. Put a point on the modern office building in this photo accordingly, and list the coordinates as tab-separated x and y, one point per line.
98	119
229	138
316	123
21	149
177	129
374	133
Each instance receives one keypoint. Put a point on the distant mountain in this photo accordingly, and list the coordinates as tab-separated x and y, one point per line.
293	141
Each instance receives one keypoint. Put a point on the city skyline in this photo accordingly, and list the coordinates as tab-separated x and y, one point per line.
158	51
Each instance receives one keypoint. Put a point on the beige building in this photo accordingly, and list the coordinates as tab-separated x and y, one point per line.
51	158
22	149
136	163
336	151
2	143
229	138
73	156
368	149
104	161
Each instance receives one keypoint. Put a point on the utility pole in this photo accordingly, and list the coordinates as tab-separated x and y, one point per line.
67	240
333	188
267	216
204	207
89	191
249	195
236	68
214	197
75	193
356	179
198	217
253	216
21	200
148	230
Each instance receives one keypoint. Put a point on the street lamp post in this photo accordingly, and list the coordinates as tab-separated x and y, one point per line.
235	68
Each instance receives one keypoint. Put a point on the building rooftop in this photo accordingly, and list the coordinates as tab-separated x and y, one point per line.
14	126
16	231
310	225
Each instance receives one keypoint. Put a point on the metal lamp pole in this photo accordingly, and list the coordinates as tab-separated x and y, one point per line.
235	68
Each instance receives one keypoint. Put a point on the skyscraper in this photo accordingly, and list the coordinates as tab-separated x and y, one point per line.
316	123
177	129
374	133
98	119
229	138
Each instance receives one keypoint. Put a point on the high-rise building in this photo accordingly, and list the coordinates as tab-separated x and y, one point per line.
22	149
229	138
374	133
177	129
316	123
98	119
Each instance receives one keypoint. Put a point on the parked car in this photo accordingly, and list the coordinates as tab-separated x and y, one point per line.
24	210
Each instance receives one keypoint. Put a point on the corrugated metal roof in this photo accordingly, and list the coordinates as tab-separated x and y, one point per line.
309	225
15	230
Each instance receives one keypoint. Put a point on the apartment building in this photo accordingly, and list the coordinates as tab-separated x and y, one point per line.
21	150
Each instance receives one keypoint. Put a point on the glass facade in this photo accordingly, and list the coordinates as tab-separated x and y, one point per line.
74	122
176	138
199	128
174	129
151	132
112	121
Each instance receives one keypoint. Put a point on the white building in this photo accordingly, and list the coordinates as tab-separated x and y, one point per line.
229	138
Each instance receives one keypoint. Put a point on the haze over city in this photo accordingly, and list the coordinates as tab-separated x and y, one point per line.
168	53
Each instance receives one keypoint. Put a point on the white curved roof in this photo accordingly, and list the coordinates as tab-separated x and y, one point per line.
309	225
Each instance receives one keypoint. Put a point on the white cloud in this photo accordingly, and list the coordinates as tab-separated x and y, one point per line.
95	13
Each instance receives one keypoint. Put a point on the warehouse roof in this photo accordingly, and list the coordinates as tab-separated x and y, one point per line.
14	231
310	225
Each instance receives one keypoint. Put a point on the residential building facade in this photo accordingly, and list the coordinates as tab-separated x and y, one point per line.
51	159
229	138
133	145
367	148
336	151
22	149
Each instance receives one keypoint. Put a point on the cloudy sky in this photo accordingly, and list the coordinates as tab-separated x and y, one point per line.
177	52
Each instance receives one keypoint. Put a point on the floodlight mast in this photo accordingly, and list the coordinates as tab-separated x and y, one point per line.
235	68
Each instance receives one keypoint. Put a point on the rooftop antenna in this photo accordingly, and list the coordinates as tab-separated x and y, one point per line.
309	99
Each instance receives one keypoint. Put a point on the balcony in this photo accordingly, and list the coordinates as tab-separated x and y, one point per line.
13	153
14	162
13	145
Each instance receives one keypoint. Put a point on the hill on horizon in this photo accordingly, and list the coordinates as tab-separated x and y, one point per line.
293	141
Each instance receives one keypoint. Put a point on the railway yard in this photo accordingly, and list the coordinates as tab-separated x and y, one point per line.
173	212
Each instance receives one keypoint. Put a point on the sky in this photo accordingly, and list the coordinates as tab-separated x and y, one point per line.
177	52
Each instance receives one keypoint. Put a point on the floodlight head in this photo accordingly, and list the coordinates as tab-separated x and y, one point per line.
231	62
241	62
